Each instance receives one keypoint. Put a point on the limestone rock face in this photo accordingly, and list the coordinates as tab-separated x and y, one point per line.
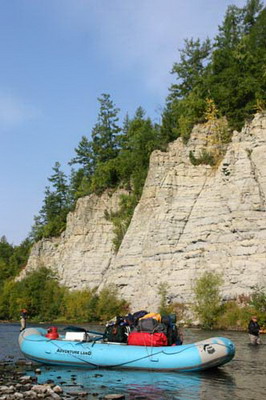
196	218
82	254
190	219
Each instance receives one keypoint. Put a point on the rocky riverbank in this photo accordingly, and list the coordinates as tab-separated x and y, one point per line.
15	385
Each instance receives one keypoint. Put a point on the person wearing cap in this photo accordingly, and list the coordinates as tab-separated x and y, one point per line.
23	319
254	330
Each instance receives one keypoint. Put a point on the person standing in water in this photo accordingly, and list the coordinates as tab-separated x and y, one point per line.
23	319
254	331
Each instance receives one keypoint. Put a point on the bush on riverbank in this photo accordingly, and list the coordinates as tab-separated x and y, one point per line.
213	312
46	300
234	316
208	301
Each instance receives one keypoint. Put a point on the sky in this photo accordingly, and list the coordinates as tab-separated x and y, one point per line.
57	58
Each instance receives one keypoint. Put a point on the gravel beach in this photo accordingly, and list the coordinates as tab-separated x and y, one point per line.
15	385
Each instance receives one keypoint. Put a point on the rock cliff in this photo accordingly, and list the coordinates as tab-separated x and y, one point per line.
82	254
190	219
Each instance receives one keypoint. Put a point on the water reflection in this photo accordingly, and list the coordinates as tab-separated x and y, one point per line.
143	384
148	385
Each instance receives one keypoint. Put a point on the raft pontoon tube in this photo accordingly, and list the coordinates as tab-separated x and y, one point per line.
95	353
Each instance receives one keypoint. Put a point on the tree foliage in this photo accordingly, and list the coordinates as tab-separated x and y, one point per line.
51	220
46	300
105	132
109	304
230	70
258	300
208	305
12	258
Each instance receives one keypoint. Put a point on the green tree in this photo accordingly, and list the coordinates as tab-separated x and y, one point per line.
208	305
231	71
129	169
97	157
84	156
20	256
252	11
12	258
258	300
185	103
80	306
235	81
105	132
191	68
110	305
7	293
163	288
79	184
39	292
6	249
57	203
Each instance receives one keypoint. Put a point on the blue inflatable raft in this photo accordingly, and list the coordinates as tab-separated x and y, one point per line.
95	353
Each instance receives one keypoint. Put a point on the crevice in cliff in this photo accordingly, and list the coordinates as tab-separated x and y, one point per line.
255	174
103	272
192	208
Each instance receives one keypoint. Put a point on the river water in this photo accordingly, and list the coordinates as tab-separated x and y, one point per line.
243	378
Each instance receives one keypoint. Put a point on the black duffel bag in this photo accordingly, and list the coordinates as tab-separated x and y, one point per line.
115	333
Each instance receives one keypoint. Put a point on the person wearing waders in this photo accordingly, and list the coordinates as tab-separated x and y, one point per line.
254	331
23	319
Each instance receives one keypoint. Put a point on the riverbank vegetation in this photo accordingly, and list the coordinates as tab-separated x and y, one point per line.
215	312
45	300
48	301
210	310
219	82
12	259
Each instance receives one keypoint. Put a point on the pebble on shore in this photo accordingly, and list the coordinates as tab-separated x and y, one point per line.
14	385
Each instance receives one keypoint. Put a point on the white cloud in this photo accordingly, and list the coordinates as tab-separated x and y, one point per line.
15	111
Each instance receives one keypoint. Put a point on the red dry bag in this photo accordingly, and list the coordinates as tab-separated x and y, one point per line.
52	333
147	339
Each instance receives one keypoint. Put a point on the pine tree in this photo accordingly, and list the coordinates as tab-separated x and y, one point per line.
236	79
189	71
84	156
105	133
57	203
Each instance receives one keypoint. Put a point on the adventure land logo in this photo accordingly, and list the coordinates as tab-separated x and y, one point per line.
81	353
